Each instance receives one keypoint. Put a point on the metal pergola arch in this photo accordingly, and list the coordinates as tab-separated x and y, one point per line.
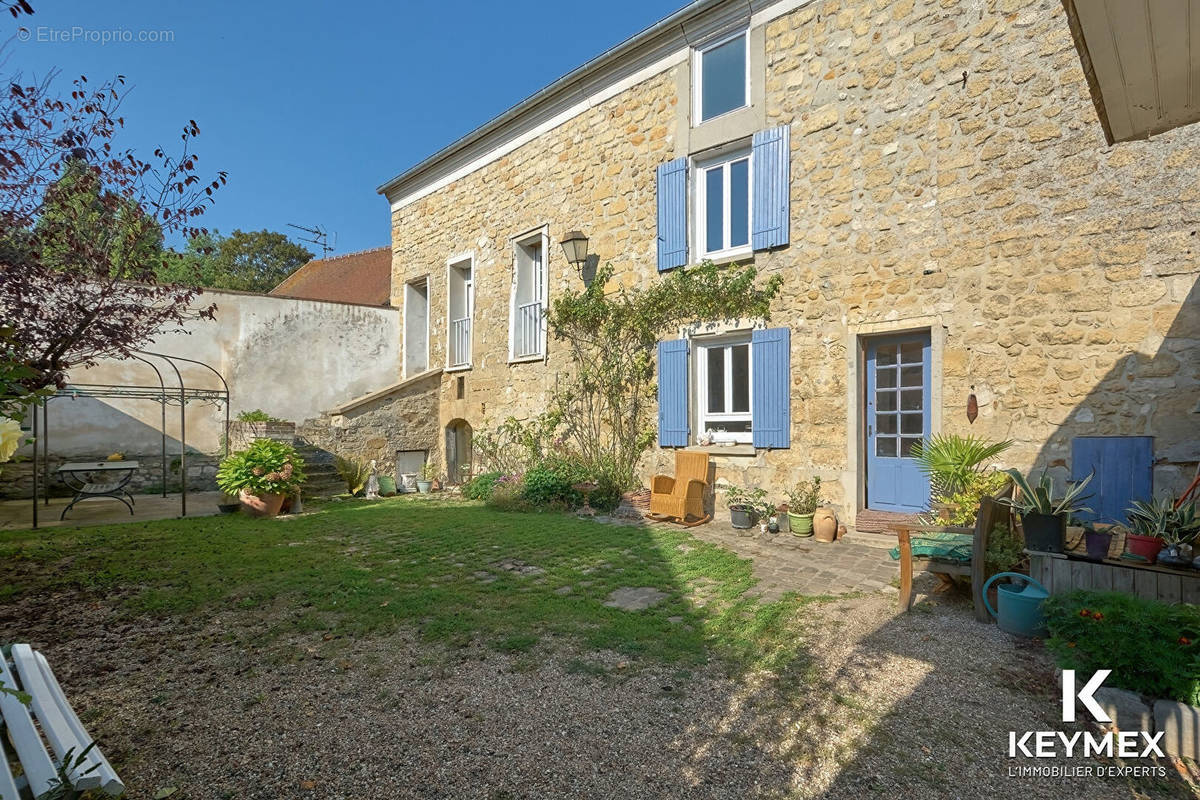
165	395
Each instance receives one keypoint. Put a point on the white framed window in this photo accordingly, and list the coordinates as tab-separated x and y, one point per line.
527	310
724	388
460	309
720	77
416	327
723	194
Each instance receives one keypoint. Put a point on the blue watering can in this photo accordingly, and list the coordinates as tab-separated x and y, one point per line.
1020	607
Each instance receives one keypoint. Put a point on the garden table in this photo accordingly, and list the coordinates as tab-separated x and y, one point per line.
81	477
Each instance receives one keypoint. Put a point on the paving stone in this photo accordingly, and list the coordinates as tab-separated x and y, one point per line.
629	598
785	563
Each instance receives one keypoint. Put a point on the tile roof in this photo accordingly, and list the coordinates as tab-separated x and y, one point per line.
364	277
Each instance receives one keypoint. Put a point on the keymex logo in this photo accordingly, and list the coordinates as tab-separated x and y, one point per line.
1055	744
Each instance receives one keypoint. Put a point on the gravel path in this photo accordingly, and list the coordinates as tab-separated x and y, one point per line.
910	706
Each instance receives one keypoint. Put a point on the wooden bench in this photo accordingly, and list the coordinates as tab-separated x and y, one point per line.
83	765
972	564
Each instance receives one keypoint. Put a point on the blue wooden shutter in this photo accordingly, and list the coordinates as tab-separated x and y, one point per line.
1124	472
771	407
672	214
672	393
772	187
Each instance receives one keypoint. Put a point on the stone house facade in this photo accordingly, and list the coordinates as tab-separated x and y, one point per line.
932	183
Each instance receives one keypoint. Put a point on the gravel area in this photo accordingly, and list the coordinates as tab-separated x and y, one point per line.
911	706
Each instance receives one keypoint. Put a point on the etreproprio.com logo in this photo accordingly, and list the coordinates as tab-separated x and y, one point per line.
1085	744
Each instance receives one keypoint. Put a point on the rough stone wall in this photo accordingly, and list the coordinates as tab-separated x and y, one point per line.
1057	273
290	358
596	170
243	434
403	420
16	478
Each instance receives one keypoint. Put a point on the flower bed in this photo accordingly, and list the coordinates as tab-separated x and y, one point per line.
1151	647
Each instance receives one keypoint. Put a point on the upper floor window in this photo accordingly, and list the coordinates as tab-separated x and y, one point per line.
723	204
527	336
721	77
460	305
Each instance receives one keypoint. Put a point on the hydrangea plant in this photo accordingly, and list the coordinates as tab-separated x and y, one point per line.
265	467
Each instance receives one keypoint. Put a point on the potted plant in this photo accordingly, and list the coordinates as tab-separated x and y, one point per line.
1044	519
261	476
744	505
803	502
764	511
1097	542
1158	530
959	475
1148	523
425	477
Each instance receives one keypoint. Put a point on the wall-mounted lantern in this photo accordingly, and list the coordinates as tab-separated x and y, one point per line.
575	247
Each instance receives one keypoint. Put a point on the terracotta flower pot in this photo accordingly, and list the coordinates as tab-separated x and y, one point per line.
825	525
1145	546
264	505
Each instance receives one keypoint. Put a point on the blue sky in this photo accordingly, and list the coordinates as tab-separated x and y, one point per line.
309	106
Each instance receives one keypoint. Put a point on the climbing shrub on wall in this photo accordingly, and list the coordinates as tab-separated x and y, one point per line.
606	402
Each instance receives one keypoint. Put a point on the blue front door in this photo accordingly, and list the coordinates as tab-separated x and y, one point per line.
897	418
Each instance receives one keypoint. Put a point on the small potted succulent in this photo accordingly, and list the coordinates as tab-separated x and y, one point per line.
262	476
764	512
744	506
803	502
1044	519
425	477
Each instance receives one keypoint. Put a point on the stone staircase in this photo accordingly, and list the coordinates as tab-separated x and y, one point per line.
322	478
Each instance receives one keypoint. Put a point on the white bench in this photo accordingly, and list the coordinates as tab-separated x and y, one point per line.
27	671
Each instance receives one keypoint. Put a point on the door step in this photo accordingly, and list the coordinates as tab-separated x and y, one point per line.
884	541
882	522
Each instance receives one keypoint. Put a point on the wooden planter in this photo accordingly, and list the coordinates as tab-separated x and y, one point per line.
1060	574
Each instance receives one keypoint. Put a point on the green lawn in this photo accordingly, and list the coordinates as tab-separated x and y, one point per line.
358	568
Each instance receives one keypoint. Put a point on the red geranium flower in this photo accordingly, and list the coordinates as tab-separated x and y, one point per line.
1184	640
1097	615
1084	613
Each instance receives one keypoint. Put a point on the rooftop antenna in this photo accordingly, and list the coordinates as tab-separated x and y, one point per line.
319	237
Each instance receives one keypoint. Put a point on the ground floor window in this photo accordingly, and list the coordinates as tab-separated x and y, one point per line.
723	389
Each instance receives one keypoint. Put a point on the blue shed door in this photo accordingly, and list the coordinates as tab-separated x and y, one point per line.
1124	472
898	399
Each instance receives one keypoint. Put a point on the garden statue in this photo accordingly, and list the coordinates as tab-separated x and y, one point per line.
373	483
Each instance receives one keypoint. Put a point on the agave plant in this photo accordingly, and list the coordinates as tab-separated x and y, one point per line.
1039	499
1161	519
952	461
354	473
